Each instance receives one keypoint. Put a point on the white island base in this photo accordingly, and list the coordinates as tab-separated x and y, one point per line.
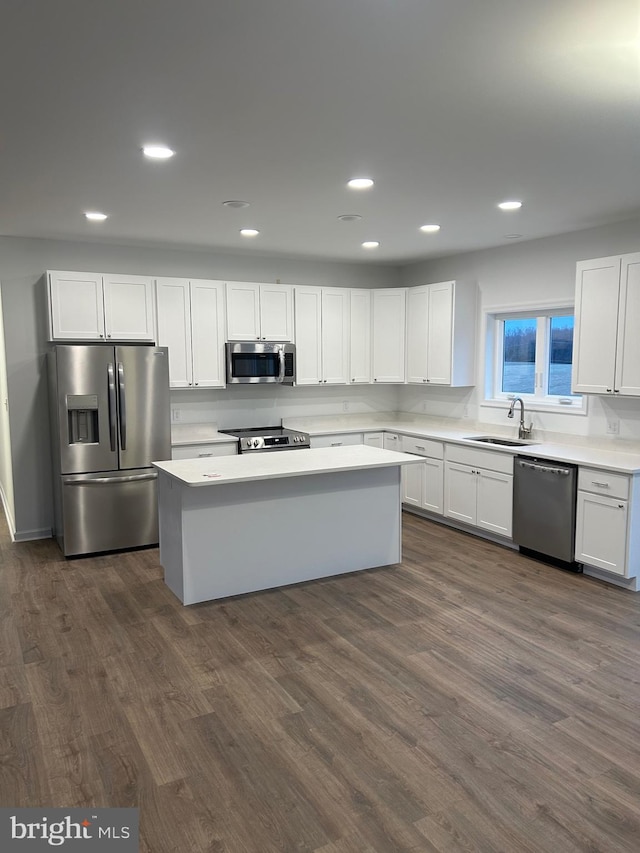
233	533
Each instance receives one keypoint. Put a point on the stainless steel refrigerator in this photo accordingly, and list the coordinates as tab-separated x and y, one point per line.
110	418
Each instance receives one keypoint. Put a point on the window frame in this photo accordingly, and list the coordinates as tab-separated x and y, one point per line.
493	348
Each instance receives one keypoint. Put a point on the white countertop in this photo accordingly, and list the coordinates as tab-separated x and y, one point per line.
623	457
203	433
578	452
266	466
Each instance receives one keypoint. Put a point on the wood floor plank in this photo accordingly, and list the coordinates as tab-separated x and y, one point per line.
467	699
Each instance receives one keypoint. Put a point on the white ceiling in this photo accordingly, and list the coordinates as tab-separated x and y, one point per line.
450	105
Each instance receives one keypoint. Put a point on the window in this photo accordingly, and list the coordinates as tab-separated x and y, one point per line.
529	355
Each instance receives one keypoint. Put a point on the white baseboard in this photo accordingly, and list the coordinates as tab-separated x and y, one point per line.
29	535
8	514
626	583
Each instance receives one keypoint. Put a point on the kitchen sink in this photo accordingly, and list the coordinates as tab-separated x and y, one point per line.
490	439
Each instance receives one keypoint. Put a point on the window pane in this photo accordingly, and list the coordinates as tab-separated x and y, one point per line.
519	356
560	352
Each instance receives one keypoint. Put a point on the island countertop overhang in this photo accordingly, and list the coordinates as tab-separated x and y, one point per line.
268	466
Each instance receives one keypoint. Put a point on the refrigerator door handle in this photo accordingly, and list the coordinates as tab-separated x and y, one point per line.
112	405
131	478
123	407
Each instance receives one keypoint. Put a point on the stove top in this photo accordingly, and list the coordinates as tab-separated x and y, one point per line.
265	439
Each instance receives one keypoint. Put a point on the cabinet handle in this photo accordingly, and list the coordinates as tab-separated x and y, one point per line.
602	485
420	447
101	335
608	390
616	390
204	454
375	380
336	444
620	506
424	380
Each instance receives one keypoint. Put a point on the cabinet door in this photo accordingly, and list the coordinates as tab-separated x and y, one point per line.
76	306
388	332
433	485
596	324
174	328
417	333
601	532
440	333
308	313
128	307
207	334
628	350
335	335
203	451
494	506
337	439
390	441
243	311
276	312
412	484
360	336
373	439
460	492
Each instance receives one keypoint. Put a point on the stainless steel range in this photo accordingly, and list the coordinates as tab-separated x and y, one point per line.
268	439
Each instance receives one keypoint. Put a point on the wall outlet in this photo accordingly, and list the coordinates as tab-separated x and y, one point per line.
345	405
613	426
176	415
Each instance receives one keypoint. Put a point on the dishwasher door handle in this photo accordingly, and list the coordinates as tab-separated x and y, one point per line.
547	469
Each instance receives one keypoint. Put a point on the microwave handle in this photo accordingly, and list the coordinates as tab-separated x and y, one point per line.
281	353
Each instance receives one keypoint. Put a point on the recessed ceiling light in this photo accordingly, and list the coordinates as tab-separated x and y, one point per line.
370	244
157	152
249	232
349	217
512	236
234	203
95	216
510	205
429	229
360	183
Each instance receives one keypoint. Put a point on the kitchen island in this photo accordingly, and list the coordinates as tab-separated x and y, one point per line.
238	524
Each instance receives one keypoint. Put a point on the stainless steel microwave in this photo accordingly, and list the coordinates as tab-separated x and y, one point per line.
253	362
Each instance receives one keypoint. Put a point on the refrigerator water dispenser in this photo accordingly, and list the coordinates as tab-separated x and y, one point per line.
82	412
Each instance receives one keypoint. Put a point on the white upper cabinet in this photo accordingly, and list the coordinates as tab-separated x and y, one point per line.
259	312
606	350
191	325
360	336
388	334
98	307
322	335
441	326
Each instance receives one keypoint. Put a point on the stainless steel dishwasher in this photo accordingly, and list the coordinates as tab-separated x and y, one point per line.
544	509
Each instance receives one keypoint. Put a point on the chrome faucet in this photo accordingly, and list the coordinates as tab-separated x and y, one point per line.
523	431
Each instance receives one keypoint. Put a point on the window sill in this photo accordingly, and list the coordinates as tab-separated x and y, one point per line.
537	406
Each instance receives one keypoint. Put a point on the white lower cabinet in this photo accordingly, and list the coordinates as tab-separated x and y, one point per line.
602	521
202	451
391	441
423	485
336	439
478	488
374	439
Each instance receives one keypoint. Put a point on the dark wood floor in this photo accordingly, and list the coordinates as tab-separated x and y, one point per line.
468	700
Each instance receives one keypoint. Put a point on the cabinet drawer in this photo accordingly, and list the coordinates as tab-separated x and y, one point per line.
603	483
202	451
422	447
336	440
476	458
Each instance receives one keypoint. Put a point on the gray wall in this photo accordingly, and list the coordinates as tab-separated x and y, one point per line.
512	275
22	264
